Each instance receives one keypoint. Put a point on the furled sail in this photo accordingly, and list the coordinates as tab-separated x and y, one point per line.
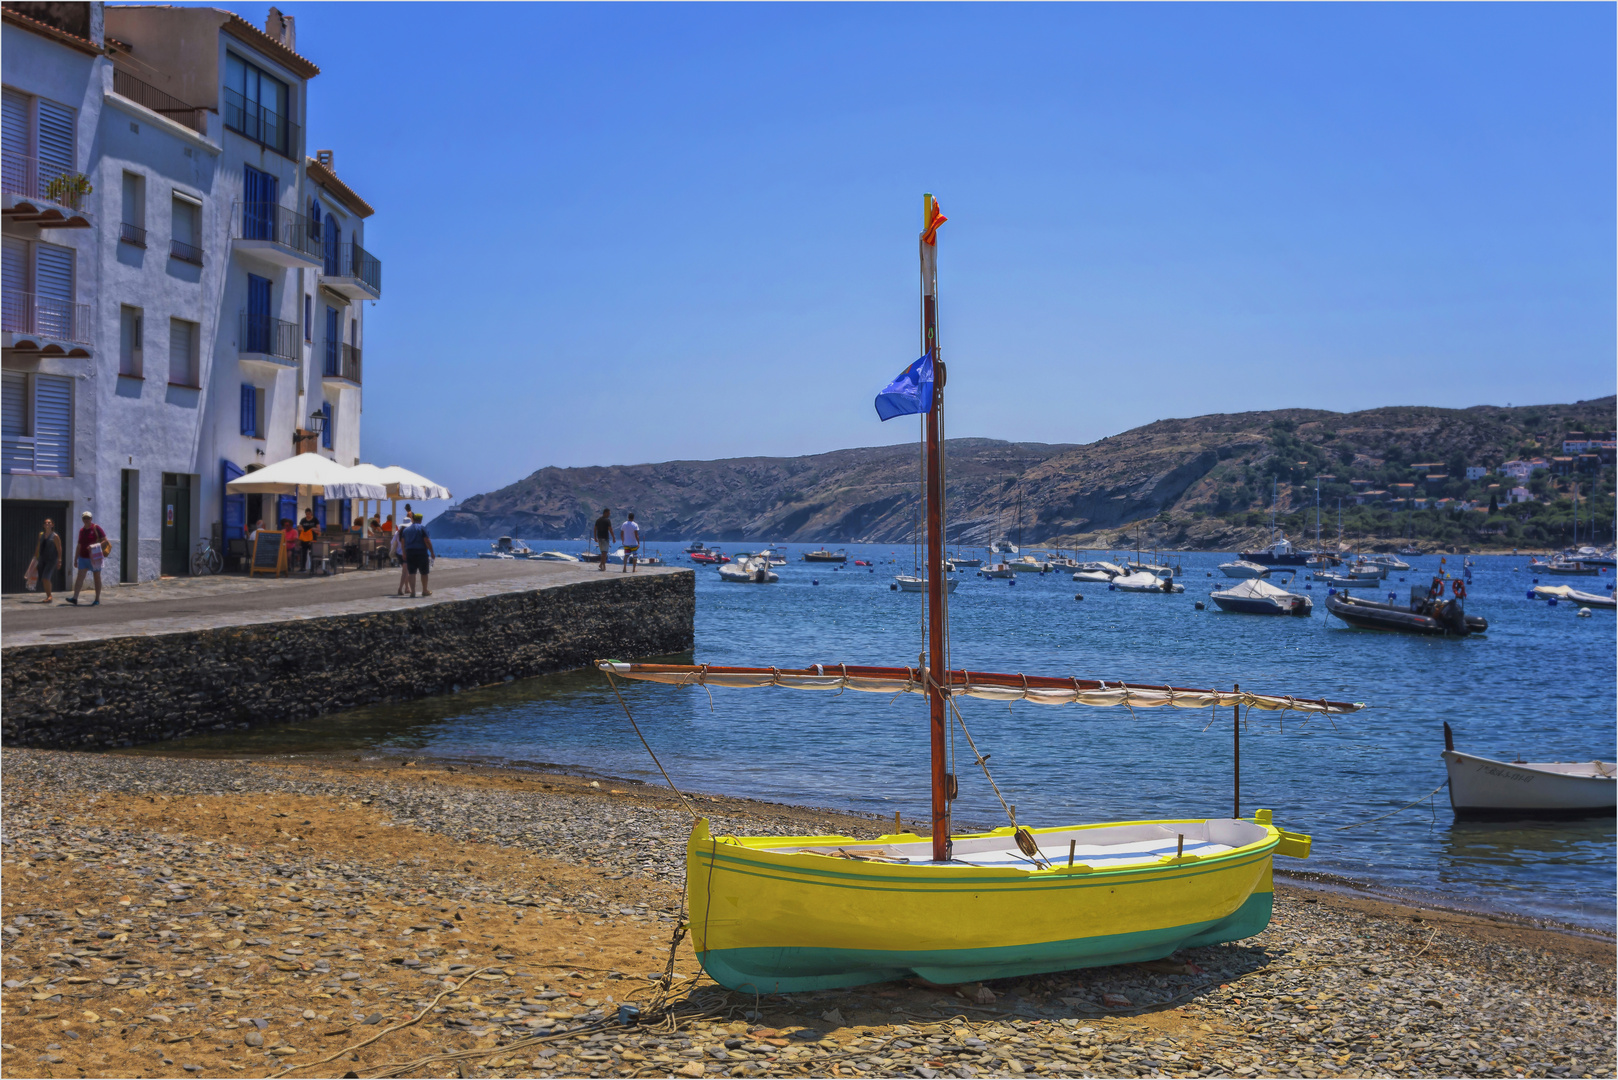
1042	690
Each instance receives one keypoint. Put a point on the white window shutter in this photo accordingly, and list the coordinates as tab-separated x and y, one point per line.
53	425
58	145
16	267
14	404
53	273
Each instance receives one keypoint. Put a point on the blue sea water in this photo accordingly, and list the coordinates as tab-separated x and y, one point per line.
1540	684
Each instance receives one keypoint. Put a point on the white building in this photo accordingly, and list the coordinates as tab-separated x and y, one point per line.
1476	472
214	320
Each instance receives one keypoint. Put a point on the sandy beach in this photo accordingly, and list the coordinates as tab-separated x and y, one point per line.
182	916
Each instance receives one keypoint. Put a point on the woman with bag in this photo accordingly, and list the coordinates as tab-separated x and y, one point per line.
92	548
47	559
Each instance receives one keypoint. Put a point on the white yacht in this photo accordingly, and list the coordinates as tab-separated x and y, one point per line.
1101	572
912	583
1241	568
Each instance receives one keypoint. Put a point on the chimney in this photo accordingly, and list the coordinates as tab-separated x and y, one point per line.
326	159
282	29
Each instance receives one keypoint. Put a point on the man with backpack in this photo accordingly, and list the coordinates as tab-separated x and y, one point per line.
418	550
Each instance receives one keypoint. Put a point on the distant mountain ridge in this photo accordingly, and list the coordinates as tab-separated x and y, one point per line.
1180	467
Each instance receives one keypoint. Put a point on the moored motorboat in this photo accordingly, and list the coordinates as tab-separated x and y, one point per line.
696	546
503	548
1241	568
1563	567
1481	787
1280	553
1100	572
1567	592
912	583
1322	560
822	555
998	570
749	571
1255	596
1142	582
1027	564
968	563
1392	562
1434	617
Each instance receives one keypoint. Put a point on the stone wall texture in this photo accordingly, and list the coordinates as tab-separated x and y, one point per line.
137	689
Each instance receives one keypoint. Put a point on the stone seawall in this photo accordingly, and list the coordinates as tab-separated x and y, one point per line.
139	688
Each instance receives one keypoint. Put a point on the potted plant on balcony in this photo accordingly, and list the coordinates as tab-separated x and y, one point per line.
69	189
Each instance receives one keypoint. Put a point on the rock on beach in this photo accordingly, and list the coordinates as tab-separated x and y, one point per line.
178	917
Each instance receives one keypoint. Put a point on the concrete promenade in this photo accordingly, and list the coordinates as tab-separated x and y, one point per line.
179	657
175	605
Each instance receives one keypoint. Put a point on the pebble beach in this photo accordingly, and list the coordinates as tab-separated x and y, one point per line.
169	916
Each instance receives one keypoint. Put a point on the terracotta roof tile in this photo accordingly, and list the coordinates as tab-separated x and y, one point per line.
72	41
252	35
345	194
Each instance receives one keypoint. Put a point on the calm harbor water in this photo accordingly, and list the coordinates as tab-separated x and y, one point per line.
1540	684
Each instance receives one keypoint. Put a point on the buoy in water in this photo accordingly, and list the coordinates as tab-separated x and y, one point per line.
893	587
1584	613
816	581
1530	594
1200	605
1551	602
1078	596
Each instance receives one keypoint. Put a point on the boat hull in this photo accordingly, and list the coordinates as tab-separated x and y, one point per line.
1266	558
1374	615
1483	789
768	922
1245	606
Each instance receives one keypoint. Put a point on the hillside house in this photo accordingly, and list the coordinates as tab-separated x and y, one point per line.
1522	469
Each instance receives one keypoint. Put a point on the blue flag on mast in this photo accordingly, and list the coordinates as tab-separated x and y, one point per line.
911	392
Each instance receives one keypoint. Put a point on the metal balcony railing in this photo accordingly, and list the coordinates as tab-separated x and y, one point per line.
185	252
156	100
132	234
352	261
274	222
265	335
270	130
27	313
342	362
24	175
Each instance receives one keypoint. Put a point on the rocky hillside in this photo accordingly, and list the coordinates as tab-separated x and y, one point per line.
1206	473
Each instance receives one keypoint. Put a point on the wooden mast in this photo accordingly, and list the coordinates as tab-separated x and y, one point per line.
935	531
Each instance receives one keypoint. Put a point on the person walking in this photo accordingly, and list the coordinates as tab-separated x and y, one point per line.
47	558
396	550
418	551
629	533
604	535
90	550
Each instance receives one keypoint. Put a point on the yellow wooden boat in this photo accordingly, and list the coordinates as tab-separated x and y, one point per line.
774	914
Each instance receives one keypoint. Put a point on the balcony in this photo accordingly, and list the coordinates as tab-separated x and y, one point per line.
185	252
271	232
44	326
42	195
352	271
132	234
144	93
342	363
268	340
253	121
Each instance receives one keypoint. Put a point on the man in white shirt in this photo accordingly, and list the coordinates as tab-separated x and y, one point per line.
629	533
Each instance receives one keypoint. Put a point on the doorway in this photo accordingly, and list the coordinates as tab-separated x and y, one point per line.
20	525
128	526
176	511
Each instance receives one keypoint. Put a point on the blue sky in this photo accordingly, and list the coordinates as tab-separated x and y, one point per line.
628	233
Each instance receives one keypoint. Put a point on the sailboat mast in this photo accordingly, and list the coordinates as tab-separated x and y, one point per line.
935	531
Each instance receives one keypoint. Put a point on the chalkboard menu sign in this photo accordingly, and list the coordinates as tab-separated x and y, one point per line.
267	555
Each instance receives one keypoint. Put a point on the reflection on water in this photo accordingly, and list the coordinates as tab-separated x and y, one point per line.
865	751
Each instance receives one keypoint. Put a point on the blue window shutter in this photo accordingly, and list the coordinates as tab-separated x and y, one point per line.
286	510
333	238
325	431
334	341
235	514
249	411
308	317
320	513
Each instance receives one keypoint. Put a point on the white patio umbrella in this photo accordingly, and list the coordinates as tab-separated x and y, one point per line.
401	483
308	474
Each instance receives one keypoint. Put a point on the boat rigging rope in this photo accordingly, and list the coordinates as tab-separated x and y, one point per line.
1390	813
983	761
683	800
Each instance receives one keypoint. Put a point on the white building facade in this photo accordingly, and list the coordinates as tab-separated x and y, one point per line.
200	274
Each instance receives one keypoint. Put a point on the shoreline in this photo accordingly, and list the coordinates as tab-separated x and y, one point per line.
1393	897
169	915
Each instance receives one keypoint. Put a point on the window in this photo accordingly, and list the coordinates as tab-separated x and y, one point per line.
308	317
36	424
183	340
43	136
261	193
325	429
133	229
256	105
38	291
253	411
185	242
130	341
334	246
